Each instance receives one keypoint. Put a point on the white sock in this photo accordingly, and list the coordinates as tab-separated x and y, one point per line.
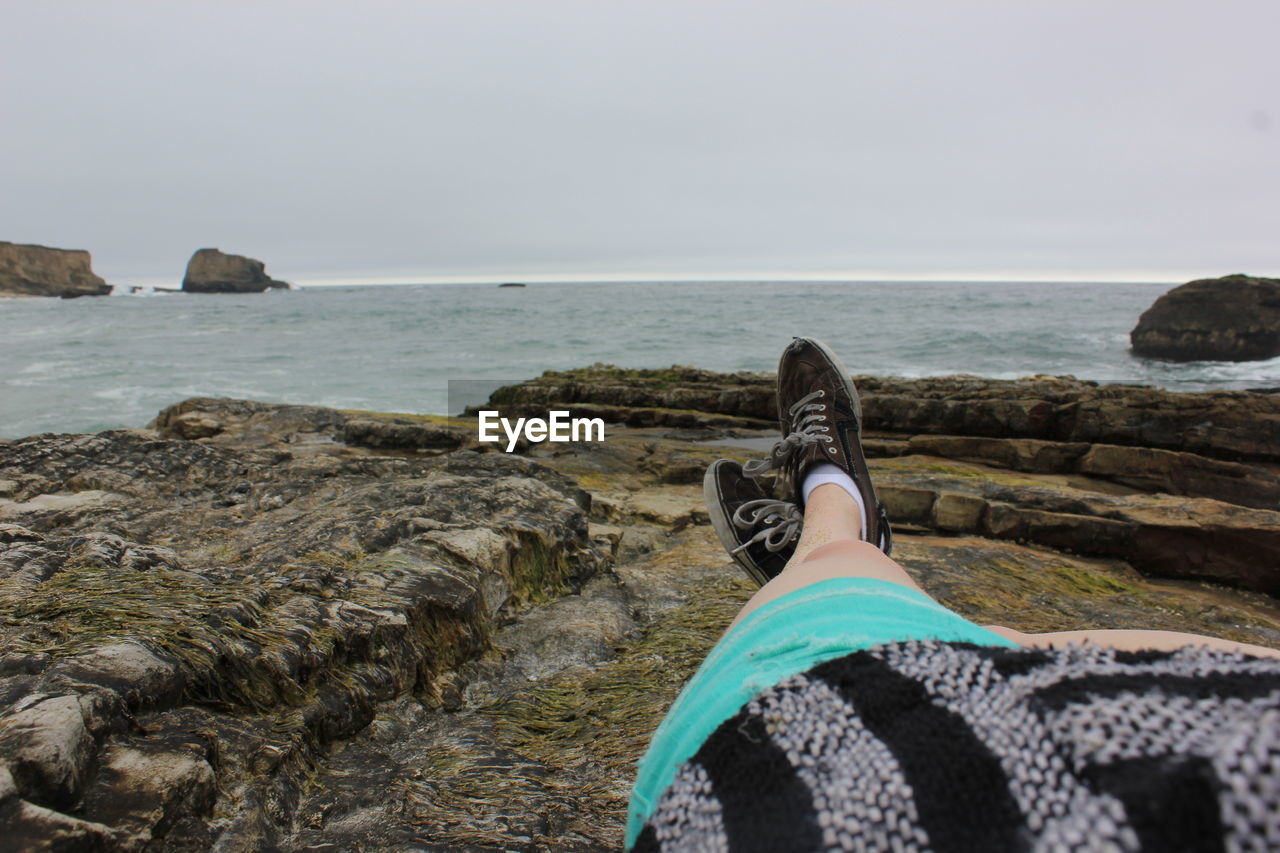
825	472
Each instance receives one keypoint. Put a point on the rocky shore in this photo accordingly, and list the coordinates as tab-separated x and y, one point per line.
265	626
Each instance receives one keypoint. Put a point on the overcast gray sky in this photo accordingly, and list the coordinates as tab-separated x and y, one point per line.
546	139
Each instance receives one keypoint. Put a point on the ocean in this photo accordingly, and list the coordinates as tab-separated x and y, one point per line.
97	363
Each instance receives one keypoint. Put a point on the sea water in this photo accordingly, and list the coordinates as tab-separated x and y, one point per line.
96	363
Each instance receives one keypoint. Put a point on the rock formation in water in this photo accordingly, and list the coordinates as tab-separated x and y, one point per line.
1233	318
41	271
264	626
212	271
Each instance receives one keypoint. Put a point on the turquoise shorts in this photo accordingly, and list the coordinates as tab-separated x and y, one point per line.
783	637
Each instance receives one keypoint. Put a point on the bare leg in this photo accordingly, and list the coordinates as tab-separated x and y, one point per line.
830	547
1130	640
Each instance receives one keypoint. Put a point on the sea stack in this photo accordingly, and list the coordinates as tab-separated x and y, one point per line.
212	271
41	271
1233	318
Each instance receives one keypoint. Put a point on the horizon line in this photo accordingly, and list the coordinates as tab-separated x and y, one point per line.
862	277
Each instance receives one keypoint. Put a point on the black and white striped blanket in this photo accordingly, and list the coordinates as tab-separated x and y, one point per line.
954	747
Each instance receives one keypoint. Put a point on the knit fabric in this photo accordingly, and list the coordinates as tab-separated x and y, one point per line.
782	637
955	747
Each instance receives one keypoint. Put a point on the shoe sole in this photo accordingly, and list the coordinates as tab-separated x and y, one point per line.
723	524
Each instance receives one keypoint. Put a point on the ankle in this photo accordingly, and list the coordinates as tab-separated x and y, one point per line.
830	493
823	475
834	503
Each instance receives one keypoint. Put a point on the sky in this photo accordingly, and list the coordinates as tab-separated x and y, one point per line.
546	139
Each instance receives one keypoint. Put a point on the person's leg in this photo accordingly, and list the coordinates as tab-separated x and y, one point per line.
820	418
1129	640
830	546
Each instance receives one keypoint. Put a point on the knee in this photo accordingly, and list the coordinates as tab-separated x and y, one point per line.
842	548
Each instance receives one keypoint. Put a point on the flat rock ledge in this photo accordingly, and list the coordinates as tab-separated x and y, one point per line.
1178	484
1227	425
260	626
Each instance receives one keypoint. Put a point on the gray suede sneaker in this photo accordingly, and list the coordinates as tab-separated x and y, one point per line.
759	532
821	421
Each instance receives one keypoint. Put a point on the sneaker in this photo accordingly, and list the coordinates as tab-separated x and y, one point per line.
758	531
821	421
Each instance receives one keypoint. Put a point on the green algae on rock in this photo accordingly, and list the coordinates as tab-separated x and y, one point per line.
300	624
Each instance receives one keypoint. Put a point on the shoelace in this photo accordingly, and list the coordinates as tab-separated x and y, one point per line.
783	519
806	428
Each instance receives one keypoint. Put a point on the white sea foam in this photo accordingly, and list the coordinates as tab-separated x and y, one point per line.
41	367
